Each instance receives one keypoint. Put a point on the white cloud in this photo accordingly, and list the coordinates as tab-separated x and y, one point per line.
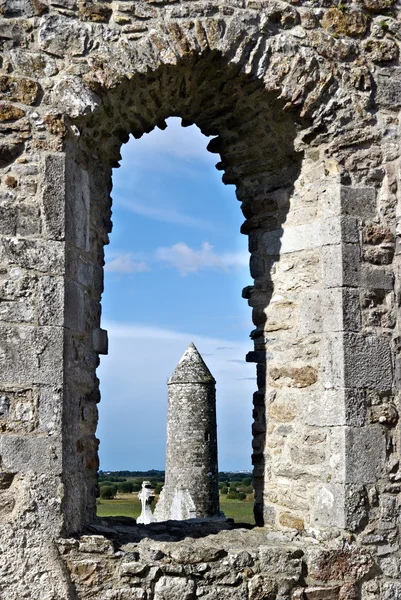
166	215
186	260
125	263
188	144
134	395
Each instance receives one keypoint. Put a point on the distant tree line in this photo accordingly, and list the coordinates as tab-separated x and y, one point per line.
124	474
234	485
236	489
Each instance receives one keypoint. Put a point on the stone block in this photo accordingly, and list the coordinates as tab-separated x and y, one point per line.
18	89
8	219
310	312
171	588
53	196
334	309
391	590
332	361
355	407
74	98
75	305
367	362
358	202
31	355
77	206
339	229
50	409
308	236
376	277
324	408
341	265
341	310
20	310
33	64
351	310
388	87
60	35
391	566
29	221
23	454
356	507
95	544
194	554
18	409
46	257
262	588
337	459
51	301
328	506
336	564
257	266
365	449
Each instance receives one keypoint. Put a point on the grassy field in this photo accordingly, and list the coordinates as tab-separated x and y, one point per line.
128	505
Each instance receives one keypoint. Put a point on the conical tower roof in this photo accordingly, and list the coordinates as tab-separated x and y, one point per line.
191	368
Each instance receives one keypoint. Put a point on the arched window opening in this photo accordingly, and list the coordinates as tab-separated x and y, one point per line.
173	274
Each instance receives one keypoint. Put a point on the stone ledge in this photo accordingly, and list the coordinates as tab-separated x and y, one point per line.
210	560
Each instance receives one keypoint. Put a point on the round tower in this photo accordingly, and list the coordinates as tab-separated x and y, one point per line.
191	484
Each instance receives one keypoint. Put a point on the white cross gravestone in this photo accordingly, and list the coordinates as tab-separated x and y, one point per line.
146	496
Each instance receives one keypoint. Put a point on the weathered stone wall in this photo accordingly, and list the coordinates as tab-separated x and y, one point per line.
302	99
177	560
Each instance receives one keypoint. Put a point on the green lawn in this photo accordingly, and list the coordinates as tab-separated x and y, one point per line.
128	505
124	505
239	510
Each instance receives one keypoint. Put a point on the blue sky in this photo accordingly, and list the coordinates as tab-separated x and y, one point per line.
174	272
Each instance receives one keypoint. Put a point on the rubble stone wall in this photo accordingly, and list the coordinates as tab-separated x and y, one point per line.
302	101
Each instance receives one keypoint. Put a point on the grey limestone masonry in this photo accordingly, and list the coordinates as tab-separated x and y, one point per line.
301	99
191	482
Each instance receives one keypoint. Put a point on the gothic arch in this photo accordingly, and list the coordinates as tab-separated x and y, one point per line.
252	134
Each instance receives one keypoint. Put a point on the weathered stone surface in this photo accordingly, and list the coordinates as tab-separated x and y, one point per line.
170	588
18	89
262	588
8	112
299	377
96	12
191	482
302	100
388	86
326	565
59	34
352	23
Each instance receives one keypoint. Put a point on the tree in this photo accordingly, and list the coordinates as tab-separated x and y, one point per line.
247	481
241	496
159	488
108	492
224	490
125	487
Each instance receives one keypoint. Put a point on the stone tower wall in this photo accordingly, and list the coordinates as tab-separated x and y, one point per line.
191	449
302	99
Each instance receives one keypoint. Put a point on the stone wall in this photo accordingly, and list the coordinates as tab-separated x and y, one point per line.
302	102
177	560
